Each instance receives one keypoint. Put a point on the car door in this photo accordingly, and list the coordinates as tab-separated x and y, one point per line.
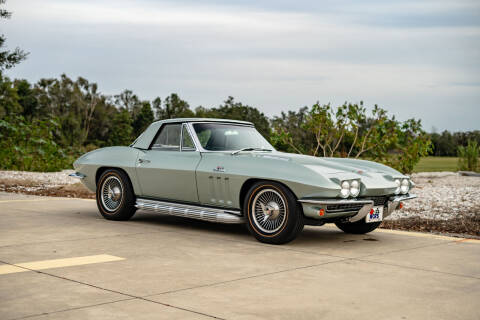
167	169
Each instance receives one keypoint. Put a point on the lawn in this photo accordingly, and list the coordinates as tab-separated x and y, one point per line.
431	164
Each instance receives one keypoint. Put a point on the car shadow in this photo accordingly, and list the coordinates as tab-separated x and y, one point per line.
310	235
187	223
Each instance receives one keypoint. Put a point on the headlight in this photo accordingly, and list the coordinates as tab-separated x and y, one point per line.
345	191
354	188
405	186
398	182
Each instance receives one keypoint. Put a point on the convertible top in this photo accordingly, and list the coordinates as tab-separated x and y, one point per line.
143	141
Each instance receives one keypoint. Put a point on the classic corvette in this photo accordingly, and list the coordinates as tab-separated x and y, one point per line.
225	171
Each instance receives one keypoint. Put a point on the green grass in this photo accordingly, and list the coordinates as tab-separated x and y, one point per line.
436	164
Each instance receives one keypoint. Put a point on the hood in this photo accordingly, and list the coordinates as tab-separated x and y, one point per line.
374	176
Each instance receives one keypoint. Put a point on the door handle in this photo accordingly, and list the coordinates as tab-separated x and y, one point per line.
143	161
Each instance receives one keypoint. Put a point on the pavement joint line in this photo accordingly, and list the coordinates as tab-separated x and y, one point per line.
248	277
77	239
42	199
306	267
418	268
57	263
114	291
411	233
405	249
71	309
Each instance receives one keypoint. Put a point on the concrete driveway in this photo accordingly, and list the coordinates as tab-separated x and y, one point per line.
60	260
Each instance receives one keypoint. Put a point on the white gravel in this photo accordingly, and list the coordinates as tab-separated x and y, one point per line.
47	179
441	195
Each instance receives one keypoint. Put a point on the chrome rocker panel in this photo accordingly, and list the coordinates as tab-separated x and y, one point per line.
191	211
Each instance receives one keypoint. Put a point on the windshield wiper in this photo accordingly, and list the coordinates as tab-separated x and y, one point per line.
250	149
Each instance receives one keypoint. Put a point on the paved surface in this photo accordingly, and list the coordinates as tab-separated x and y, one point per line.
60	260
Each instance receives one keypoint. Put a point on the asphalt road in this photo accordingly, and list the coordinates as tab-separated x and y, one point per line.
60	260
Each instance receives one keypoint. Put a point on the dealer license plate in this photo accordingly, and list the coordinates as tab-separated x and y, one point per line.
376	215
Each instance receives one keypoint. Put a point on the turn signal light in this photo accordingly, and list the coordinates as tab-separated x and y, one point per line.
321	213
400	205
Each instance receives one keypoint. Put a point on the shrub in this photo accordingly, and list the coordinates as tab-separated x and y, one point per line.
30	146
468	156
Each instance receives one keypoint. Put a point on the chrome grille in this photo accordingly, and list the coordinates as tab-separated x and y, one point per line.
344	207
378	201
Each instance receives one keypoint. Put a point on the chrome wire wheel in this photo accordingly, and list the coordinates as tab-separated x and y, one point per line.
111	193
269	210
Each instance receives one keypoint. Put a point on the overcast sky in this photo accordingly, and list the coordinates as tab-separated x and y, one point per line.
416	59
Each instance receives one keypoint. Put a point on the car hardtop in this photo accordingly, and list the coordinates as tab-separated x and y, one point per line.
175	120
144	140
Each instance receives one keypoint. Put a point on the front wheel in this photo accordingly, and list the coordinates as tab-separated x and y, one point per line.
115	198
273	215
358	227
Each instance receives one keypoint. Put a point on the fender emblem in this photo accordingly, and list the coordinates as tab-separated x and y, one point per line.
219	169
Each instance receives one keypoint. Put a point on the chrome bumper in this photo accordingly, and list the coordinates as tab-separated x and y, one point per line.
394	202
358	210
311	207
77	175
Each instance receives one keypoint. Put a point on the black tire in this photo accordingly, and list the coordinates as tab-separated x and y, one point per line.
358	227
284	220
112	205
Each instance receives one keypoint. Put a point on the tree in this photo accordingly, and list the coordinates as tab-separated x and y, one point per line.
122	135
128	101
9	59
88	98
290	134
347	131
8	98
144	119
27	99
238	111
468	156
173	107
157	107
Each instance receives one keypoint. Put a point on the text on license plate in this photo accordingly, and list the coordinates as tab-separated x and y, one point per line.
375	215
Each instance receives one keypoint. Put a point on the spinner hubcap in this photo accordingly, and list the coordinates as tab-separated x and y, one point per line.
111	193
268	209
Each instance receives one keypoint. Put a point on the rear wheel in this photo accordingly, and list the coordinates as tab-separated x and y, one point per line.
273	215
115	198
358	227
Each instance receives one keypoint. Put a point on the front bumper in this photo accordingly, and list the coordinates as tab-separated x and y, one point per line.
77	175
351	209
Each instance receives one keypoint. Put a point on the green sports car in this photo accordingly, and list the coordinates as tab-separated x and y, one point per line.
225	171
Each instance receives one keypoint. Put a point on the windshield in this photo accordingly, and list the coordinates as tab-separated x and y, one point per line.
228	137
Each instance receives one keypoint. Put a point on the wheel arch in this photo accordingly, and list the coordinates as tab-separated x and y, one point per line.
250	182
101	170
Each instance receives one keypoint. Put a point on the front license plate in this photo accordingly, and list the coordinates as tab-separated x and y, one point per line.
376	215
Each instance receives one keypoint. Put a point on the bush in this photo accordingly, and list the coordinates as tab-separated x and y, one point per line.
468	156
30	146
349	131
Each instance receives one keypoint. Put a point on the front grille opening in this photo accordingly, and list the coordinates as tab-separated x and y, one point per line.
344	207
378	201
